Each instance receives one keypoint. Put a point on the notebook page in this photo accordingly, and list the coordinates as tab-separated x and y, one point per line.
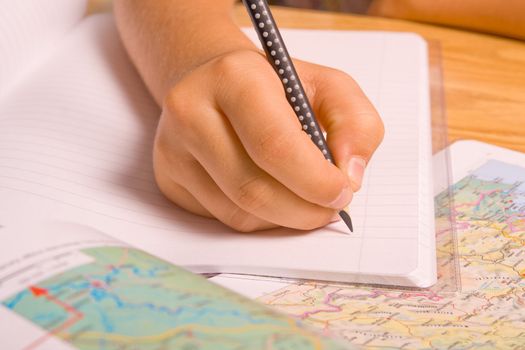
28	28
81	151
392	70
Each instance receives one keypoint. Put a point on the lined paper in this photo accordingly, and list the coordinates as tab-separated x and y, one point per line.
29	30
76	139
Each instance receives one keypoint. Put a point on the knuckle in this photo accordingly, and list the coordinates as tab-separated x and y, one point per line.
179	124
174	101
340	76
233	66
227	65
253	194
178	106
238	74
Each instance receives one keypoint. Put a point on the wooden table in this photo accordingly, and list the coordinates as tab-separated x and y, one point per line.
483	75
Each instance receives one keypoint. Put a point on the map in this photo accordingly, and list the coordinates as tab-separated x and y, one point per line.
126	299
479	301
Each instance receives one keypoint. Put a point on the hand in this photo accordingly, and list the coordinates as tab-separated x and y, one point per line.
229	145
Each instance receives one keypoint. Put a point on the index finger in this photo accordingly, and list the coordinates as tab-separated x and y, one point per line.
268	129
353	125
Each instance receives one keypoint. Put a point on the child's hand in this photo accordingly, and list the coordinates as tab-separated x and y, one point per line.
229	145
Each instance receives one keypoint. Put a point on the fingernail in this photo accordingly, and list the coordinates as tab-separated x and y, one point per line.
343	199
356	171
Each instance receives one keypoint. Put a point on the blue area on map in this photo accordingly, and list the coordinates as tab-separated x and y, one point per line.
183	314
106	321
11	304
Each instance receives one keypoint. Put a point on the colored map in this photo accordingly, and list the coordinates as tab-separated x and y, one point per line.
479	301
126	299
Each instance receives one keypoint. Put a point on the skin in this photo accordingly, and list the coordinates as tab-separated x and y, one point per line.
221	150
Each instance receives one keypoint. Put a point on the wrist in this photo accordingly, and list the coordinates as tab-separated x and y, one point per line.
207	44
166	39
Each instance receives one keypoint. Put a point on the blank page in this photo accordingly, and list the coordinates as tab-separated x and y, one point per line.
76	140
29	29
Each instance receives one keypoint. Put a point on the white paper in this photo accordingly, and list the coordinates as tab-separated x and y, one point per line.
29	30
466	156
76	140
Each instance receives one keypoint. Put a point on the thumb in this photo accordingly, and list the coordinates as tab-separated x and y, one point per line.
351	122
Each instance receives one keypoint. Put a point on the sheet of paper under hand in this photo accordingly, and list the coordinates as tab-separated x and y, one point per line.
76	138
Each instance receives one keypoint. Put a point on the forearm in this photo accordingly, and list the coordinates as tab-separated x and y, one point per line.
493	16
168	38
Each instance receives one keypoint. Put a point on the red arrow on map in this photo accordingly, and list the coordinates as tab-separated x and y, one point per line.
37	291
76	315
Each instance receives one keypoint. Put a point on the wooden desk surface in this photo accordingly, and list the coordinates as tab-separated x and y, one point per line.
483	76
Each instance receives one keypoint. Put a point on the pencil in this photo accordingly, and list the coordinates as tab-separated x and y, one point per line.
279	58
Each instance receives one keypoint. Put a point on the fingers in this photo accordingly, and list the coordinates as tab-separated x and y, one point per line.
201	196
353	126
230	146
227	169
272	136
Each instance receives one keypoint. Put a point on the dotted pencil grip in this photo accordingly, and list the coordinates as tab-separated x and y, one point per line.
281	62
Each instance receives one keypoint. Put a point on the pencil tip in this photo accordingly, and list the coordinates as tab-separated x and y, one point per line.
347	219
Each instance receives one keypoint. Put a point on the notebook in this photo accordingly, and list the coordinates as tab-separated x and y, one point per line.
76	133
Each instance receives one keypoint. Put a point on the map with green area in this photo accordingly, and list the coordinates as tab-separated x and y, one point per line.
127	299
479	300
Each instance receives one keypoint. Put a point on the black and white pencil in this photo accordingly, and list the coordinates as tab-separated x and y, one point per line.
279	58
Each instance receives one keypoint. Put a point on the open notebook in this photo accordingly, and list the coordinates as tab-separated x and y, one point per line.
76	132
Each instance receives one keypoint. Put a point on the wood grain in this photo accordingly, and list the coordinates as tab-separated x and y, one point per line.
483	75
